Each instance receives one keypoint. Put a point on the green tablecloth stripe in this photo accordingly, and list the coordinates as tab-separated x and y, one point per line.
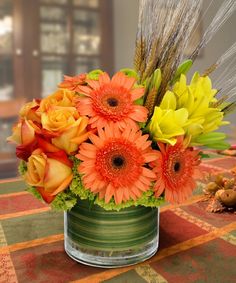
31	227
12	187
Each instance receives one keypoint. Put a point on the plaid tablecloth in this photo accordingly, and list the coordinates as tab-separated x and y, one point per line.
195	245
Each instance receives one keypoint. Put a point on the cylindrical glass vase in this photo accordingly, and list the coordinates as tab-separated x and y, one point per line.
97	237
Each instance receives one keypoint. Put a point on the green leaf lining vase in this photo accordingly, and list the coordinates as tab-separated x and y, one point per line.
102	238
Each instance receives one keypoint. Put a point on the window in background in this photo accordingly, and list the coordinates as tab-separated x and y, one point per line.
7	160
6	46
42	40
70	37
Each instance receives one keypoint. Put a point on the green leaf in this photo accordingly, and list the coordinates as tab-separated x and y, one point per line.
204	155
94	75
182	69
111	231
147	82
222	145
130	73
214	140
155	80
139	101
210	138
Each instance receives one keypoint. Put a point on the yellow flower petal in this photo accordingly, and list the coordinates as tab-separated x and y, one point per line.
181	116
196	99
165	125
168	101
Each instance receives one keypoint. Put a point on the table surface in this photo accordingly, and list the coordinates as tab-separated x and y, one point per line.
194	246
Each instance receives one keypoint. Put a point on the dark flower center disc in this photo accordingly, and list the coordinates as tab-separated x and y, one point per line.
177	166
113	102
118	161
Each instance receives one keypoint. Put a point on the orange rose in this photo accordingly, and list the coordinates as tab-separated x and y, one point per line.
62	97
29	111
58	119
70	139
49	175
23	133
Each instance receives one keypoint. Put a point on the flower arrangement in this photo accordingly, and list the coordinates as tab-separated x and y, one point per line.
134	138
109	150
95	139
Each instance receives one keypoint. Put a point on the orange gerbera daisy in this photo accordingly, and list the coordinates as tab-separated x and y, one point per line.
176	169
111	101
72	83
114	164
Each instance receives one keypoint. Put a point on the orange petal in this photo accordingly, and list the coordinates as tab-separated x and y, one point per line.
119	79
139	113
148	173
98	142
118	195
60	156
85	109
150	156
141	142
46	146
84	90
126	193
137	93
94	84
55	175
90	178
16	134
141	186
104	78
45	195
159	188
27	133
109	193
129	83
63	185
80	139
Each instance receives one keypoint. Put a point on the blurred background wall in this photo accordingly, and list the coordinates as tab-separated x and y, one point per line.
40	40
125	23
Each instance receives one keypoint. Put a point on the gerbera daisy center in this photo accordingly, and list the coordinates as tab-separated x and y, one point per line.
112	101
177	166
118	161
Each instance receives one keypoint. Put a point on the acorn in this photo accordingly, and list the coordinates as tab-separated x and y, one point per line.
227	197
211	187
229	183
218	194
219	180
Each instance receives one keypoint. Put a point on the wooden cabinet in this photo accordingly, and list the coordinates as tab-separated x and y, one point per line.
40	41
44	39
